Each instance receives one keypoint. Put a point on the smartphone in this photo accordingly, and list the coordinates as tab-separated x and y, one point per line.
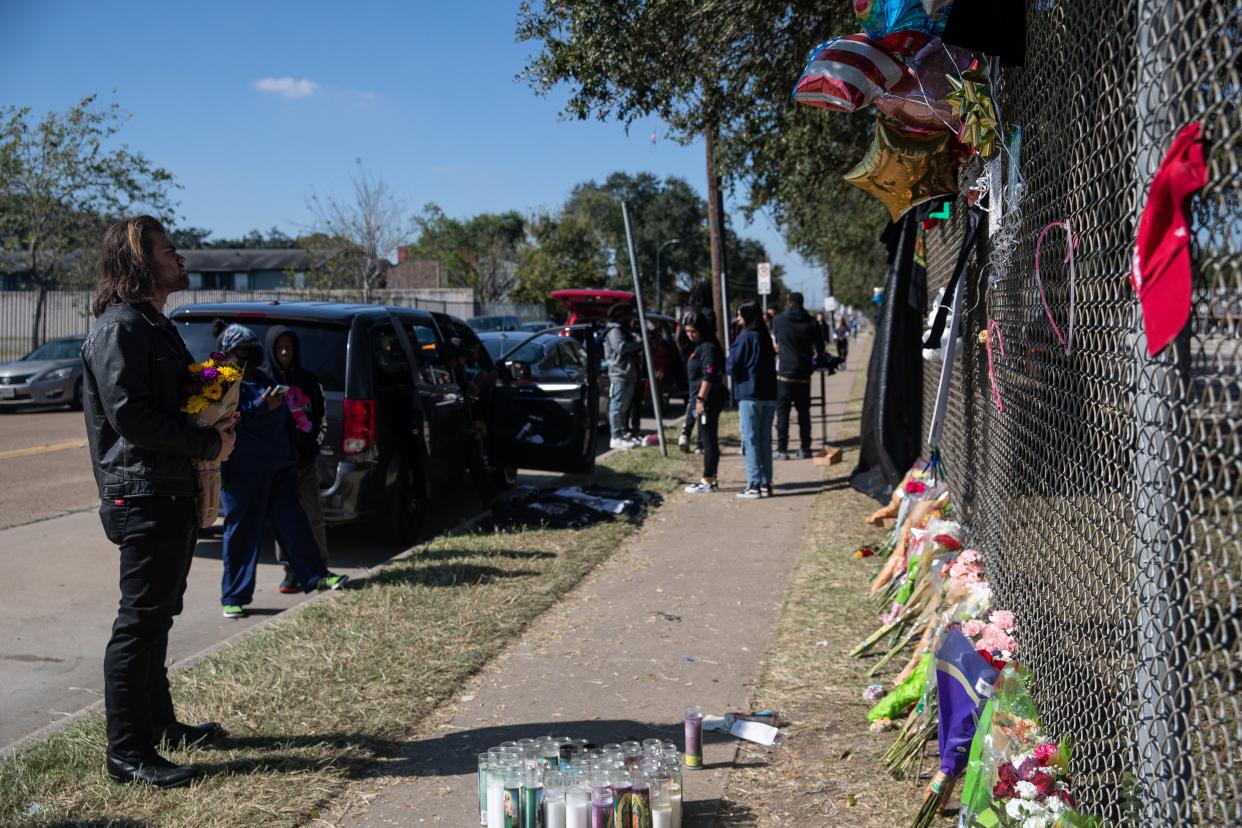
279	390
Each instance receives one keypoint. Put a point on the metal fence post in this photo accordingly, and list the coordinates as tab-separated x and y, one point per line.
642	328
1162	588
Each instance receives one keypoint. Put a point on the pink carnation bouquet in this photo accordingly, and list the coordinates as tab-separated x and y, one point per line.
993	637
1033	790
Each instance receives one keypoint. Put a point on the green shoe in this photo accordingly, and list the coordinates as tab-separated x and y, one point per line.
234	611
330	581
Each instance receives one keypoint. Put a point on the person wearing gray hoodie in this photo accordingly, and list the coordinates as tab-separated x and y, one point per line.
621	351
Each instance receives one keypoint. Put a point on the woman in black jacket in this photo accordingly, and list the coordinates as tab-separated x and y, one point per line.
706	371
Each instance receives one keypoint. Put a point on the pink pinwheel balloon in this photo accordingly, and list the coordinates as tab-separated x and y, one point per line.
919	100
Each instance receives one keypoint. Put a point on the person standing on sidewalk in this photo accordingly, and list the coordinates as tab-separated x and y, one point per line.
706	368
284	356
141	446
798	343
843	340
261	484
752	367
621	352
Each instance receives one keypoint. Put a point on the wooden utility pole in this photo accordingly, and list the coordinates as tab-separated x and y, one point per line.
715	231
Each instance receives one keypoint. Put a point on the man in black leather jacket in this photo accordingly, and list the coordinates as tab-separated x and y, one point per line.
141	447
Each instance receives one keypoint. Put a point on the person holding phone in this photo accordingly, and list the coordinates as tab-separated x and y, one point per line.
261	483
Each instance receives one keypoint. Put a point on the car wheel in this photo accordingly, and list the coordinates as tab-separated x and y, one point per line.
503	478
408	508
76	404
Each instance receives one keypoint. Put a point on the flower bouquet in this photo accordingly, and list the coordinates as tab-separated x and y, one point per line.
1033	790
210	392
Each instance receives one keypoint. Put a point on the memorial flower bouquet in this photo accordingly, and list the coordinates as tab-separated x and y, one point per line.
1033	790
210	391
993	637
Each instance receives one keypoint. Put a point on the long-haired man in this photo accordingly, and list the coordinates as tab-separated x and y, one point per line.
141	448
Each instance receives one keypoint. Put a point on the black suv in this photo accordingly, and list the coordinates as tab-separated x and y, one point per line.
414	403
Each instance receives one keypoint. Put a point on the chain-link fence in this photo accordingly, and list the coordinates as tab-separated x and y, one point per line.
1107	494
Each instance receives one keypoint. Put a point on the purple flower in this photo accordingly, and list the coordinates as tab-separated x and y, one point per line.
216	356
210	373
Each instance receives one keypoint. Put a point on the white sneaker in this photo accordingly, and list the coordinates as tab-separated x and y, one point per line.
683	443
702	487
620	443
750	493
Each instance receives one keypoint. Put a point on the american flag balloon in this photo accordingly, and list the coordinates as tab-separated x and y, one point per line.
847	73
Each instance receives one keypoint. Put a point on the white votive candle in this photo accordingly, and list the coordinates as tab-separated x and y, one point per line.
554	813
577	809
662	817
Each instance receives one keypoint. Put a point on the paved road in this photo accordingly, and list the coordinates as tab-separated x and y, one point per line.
44	466
58	594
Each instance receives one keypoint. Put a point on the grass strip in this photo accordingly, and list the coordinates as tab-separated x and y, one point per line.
828	769
317	701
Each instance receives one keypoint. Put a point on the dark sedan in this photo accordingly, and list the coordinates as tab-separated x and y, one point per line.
49	375
545	360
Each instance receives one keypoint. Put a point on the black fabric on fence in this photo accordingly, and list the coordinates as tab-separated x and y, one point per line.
892	420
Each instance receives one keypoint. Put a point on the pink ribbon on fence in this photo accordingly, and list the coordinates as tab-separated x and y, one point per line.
994	330
1066	341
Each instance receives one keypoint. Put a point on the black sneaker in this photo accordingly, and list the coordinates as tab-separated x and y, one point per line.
806	454
780	455
290	584
750	493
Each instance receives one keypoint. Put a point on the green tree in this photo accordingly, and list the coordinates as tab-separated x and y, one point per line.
482	253
723	70
565	253
60	184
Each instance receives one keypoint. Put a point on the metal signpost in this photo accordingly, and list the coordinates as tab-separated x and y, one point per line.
642	328
765	282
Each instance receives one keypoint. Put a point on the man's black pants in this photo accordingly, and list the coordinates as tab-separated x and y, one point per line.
156	536
796	395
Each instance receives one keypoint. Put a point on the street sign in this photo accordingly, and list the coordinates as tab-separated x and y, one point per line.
830	303
765	278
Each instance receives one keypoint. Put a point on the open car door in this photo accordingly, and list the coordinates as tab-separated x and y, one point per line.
543	424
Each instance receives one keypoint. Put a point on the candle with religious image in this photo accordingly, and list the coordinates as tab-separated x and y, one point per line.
532	798
513	797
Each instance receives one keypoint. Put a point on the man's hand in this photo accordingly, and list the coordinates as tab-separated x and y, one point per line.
228	437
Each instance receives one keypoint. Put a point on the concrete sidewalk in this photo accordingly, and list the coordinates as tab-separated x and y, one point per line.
681	615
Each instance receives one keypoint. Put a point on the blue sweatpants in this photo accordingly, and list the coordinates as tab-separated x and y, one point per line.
250	500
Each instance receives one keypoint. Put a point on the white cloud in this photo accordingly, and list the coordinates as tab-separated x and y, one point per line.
291	88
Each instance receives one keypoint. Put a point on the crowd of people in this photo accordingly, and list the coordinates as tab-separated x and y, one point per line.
144	450
767	372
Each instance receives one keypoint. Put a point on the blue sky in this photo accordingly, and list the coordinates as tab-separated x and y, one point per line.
253	105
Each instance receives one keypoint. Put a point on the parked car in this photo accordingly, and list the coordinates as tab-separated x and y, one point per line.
547	361
494	323
49	375
404	390
542	325
592	304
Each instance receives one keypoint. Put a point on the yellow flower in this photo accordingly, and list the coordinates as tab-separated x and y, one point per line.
197	367
229	374
194	404
213	391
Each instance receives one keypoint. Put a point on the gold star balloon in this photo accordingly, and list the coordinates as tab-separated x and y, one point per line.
903	169
971	99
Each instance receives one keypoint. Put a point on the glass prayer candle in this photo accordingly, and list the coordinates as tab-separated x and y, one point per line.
513	797
577	807
553	801
639	808
631	752
601	807
484	762
532	798
496	797
661	804
694	737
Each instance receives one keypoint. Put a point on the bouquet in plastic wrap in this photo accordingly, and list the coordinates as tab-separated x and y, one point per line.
210	391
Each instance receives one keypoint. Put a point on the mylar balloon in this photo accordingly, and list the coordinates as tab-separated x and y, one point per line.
903	169
920	100
846	73
883	17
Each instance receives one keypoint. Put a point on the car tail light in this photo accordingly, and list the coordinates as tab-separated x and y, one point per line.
358	428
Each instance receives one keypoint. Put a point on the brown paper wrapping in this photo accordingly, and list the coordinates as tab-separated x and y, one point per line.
208	471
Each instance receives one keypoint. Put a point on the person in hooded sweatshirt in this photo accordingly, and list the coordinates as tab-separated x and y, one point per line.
799	342
621	351
305	402
261	484
751	366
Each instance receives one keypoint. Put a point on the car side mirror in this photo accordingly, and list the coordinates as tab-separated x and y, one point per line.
517	371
